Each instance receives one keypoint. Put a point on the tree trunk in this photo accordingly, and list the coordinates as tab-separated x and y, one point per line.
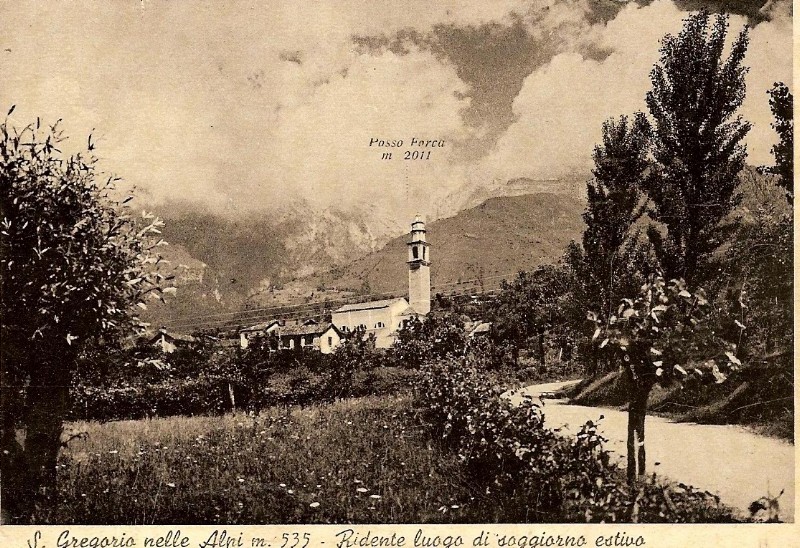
642	460
631	468
637	413
39	409
540	342
47	407
232	397
11	452
768	344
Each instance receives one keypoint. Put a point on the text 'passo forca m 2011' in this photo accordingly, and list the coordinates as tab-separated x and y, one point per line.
415	148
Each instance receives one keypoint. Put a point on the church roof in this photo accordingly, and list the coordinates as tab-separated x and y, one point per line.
172	337
371	305
409	311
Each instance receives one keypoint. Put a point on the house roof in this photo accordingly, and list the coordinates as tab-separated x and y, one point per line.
172	337
371	305
484	327
312	329
259	327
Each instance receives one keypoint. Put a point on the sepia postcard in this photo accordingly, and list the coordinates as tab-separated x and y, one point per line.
403	273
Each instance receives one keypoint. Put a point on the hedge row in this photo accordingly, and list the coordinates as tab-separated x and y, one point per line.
208	394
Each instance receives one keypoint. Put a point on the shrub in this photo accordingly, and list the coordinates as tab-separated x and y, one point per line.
534	473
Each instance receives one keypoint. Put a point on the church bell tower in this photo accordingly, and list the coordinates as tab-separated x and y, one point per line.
419	268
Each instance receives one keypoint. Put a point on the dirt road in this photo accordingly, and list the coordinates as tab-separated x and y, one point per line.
727	460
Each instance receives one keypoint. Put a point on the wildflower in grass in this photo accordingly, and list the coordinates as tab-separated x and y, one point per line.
281	485
240	480
114	452
171	485
376	497
361	490
290	491
314	505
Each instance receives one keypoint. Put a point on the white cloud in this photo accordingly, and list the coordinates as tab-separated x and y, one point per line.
770	59
245	105
562	106
321	147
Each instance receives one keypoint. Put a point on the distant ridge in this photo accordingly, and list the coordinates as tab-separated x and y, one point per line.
502	235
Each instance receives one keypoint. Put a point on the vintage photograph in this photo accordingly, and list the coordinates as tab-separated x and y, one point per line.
396	262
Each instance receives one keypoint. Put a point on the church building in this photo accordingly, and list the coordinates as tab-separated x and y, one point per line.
384	318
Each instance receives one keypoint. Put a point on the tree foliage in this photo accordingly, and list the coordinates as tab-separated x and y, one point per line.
609	263
697	143
73	264
352	355
436	337
665	334
760	273
530	307
782	103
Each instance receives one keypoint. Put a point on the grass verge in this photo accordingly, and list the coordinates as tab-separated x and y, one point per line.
356	461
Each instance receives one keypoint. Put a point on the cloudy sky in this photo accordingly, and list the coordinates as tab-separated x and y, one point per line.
243	106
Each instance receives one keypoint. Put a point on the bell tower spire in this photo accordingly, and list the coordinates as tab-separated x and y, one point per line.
419	268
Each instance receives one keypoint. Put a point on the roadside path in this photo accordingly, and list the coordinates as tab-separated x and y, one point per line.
730	461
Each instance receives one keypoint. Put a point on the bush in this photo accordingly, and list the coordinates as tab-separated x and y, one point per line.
172	397
384	380
439	336
534	473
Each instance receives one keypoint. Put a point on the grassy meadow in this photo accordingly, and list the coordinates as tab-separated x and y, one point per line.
359	460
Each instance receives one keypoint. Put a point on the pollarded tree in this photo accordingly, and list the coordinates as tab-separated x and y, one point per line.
73	265
697	143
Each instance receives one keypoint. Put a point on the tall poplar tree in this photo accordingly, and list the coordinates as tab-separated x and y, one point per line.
781	102
614	204
697	143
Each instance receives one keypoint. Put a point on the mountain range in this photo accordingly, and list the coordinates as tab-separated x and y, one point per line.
223	263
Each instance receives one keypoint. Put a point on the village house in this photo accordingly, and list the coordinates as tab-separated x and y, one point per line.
258	330
169	342
384	318
311	335
322	337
